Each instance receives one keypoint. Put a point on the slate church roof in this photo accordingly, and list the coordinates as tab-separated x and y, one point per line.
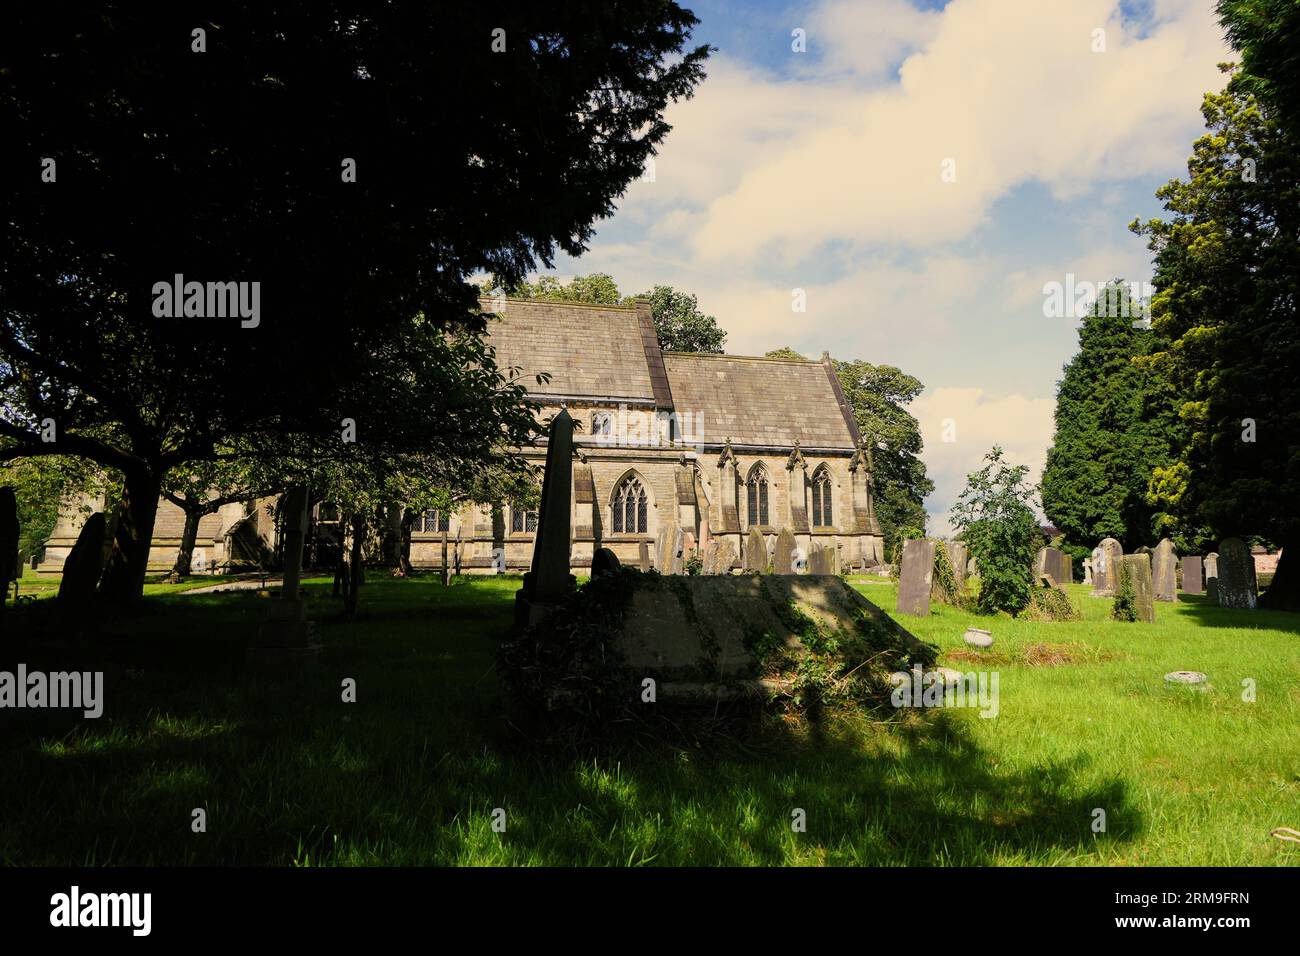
608	354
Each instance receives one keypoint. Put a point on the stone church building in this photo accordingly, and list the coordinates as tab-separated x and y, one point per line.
711	444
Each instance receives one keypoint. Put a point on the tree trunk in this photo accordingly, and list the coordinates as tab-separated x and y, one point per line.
128	562
1284	593
357	570
391	535
408	521
185	555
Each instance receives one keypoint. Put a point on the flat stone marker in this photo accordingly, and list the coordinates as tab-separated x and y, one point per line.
1189	680
1236	575
1105	567
1139	573
1163	572
978	637
1192	575
783	560
916	577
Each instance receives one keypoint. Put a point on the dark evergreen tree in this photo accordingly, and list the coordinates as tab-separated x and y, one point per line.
1113	427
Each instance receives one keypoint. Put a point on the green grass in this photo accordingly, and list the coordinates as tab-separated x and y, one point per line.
410	773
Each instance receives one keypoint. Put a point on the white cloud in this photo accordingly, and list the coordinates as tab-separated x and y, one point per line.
977	420
1008	89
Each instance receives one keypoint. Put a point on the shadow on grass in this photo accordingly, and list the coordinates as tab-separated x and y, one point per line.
411	772
1208	613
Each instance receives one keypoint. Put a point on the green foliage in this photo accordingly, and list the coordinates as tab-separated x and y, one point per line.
1125	606
832	667
1113	427
945	576
1227	261
1050	604
1267	32
1000	530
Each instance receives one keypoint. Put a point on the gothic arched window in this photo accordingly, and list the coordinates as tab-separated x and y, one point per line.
630	507
821	499
757	488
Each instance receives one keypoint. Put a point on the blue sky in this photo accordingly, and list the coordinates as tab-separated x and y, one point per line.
920	172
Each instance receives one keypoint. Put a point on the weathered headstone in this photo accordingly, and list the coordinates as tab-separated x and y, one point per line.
971	568
603	561
916	577
709	558
1105	567
1139	573
755	551
688	548
819	560
1055	562
10	567
85	562
1087	570
643	556
1163	573
549	581
1236	575
958	558
1212	576
783	559
724	558
1192	575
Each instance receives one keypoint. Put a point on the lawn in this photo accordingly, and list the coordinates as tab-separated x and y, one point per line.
411	772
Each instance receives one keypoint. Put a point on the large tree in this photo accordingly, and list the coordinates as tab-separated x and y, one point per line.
1267	32
359	161
1112	429
1227	271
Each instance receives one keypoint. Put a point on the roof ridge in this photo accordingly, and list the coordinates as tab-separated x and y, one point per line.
746	358
568	303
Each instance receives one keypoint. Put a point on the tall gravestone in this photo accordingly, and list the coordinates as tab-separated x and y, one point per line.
85	563
1139	574
1212	576
1236	575
643	556
1164	574
1105	567
755	551
819	560
1192	575
9	565
549	580
783	559
958	556
916	577
688	548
